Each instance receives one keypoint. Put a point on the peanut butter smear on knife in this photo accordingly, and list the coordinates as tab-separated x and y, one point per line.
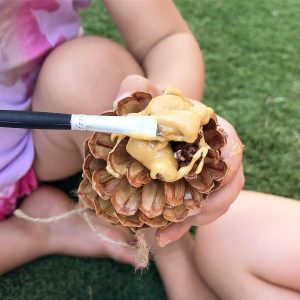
179	120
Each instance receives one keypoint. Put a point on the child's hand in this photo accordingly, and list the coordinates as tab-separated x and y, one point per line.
218	202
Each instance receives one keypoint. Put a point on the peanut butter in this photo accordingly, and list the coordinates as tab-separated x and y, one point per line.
180	119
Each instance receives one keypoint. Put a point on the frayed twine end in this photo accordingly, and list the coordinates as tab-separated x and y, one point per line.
142	250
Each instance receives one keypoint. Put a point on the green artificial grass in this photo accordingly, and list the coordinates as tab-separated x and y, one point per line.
251	51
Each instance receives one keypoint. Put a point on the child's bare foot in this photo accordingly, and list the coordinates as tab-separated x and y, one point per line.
175	263
73	236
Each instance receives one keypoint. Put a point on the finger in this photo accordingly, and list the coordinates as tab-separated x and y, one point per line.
232	155
217	204
232	152
134	83
172	233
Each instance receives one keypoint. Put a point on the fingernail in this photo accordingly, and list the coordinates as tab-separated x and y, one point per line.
234	148
122	96
237	148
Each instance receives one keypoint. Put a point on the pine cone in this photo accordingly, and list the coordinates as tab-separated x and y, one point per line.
121	189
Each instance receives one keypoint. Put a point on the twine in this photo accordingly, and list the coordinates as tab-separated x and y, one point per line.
141	247
20	214
104	237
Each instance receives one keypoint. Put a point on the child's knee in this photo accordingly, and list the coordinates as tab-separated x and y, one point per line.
83	70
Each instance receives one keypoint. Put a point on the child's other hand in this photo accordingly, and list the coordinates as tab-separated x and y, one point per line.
218	202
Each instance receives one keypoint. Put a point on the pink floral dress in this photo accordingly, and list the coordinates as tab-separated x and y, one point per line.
29	31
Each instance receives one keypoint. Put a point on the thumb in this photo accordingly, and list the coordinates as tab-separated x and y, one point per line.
135	83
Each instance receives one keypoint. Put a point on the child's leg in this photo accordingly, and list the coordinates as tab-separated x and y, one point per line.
23	241
253	251
81	76
176	265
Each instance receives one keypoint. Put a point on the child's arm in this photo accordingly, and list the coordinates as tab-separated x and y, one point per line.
159	39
